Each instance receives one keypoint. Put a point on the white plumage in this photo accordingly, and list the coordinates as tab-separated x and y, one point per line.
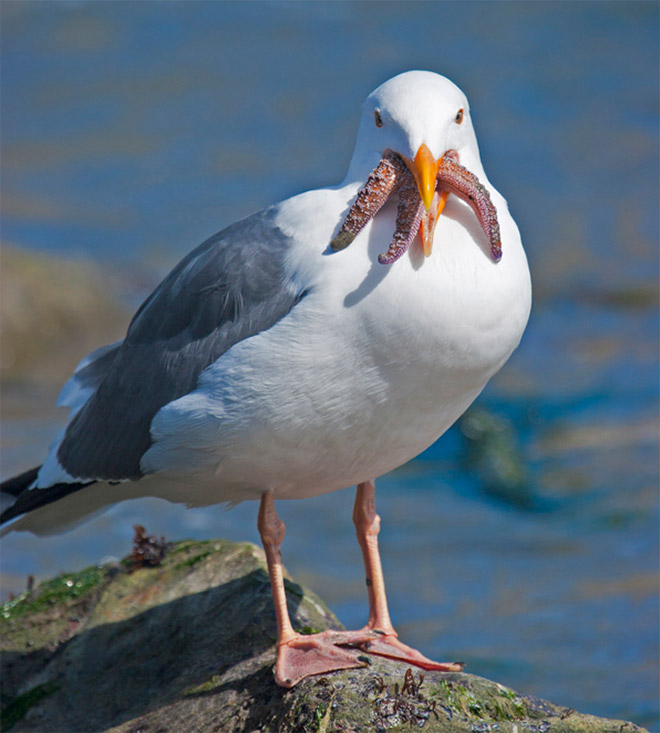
376	362
346	370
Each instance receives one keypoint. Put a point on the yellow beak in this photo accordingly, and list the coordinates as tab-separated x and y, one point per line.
425	171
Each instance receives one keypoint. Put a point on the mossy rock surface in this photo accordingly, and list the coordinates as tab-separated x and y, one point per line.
189	646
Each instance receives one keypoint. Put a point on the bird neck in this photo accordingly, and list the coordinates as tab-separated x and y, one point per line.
362	164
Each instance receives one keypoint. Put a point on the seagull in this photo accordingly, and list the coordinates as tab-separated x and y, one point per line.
293	354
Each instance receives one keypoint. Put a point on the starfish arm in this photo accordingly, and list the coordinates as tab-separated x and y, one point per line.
456	179
370	198
409	215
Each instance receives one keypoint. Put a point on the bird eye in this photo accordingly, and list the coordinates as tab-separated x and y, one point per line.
459	116
377	118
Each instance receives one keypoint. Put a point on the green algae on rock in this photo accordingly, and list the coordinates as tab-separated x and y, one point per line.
190	645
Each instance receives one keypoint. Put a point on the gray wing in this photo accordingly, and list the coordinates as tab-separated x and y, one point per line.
87	377
230	288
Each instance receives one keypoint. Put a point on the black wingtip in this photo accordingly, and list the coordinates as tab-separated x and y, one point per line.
19	499
17	484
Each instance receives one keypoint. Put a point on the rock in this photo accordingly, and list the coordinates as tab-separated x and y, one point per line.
189	645
54	311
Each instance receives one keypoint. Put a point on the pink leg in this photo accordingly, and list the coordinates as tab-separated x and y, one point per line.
367	527
298	655
385	642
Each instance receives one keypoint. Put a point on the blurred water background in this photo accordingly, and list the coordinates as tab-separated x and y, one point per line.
524	542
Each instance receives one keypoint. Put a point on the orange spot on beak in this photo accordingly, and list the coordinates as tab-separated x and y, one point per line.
441	204
430	219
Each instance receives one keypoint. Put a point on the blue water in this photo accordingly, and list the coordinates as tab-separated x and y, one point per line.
132	131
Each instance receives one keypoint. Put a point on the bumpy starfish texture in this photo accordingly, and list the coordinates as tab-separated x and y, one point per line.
386	177
409	214
391	176
456	179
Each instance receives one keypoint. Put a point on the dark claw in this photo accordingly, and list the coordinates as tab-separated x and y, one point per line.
342	240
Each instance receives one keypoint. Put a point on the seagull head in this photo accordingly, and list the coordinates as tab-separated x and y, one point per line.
421	116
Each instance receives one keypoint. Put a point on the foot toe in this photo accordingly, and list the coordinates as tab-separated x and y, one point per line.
392	648
305	655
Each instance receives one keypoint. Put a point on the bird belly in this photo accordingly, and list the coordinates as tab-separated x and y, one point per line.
345	388
301	437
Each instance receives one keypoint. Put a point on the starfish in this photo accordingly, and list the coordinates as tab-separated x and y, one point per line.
392	175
